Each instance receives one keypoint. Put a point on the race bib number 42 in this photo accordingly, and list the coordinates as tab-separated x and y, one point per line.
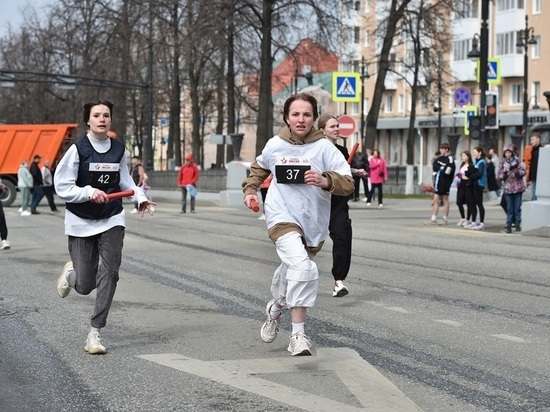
291	174
104	175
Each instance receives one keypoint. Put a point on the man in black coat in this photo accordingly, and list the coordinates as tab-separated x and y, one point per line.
37	192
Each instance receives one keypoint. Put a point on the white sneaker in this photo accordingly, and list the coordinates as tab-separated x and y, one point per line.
466	224
62	285
4	244
270	328
471	225
340	290
368	203
380	206
480	226
93	344
262	217
20	209
134	211
299	345
25	213
461	222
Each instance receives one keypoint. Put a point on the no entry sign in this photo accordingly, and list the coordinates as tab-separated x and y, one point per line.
347	125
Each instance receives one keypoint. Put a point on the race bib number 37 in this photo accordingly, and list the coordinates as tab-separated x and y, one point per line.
104	175
291	174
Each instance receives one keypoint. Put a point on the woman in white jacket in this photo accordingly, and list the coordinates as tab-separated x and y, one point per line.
307	169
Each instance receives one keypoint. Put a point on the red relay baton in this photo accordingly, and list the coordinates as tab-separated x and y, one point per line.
118	195
254	205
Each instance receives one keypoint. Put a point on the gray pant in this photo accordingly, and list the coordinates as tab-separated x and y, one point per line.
96	261
184	200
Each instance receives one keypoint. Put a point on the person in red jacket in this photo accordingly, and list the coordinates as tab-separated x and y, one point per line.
188	177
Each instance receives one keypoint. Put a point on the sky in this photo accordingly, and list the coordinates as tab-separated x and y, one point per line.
11	11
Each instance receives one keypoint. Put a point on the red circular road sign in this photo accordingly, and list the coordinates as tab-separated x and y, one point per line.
347	125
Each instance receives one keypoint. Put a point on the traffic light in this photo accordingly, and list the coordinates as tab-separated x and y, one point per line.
491	110
474	126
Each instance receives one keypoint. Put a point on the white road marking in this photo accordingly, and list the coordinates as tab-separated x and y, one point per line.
510	338
448	322
369	387
396	309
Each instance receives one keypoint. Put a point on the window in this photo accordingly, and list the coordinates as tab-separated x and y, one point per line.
401	104
536	93
503	5
506	43
367	38
464	9
537	6
357	35
388	107
500	94
516	90
535	48
357	6
461	49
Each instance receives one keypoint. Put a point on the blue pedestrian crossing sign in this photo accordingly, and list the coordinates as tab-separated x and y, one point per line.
346	87
493	71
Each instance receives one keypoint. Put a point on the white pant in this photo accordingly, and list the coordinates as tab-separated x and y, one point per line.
297	277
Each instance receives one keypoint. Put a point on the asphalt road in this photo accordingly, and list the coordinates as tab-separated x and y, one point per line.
437	319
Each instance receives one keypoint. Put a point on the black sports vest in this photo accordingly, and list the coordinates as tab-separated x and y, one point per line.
101	171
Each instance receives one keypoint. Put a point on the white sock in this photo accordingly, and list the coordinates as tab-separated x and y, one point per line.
434	218
297	327
275	311
444	217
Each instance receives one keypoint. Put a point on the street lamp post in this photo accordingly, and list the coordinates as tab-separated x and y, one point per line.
364	75
483	55
524	41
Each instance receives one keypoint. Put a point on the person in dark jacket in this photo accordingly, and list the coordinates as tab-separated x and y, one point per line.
443	173
532	163
360	161
340	224
37	191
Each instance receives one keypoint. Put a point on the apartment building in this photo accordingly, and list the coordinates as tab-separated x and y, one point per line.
439	117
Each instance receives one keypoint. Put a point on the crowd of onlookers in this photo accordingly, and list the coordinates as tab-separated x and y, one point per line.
506	177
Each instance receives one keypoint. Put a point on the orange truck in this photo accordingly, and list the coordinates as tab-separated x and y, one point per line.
20	142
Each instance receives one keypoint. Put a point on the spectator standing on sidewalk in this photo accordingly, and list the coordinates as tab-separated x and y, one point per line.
24	184
47	180
91	169
479	179
378	172
307	170
4	243
37	183
531	160
188	177
339	227
511	172
464	194
443	172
